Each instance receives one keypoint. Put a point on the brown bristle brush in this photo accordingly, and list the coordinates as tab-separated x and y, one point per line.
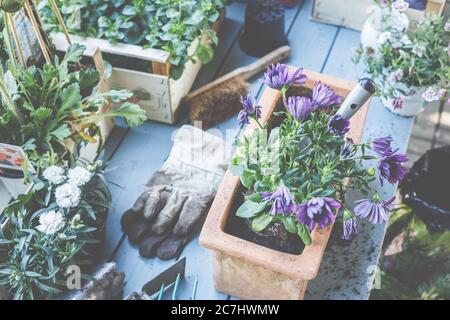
219	100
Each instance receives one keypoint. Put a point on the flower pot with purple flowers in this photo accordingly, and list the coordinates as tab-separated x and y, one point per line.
270	222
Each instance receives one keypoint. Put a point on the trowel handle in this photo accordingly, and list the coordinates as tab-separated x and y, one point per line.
357	98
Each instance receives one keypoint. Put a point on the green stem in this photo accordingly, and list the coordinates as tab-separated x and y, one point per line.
9	103
259	123
10	43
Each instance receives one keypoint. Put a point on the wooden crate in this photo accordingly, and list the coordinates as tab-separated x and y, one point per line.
155	92
353	13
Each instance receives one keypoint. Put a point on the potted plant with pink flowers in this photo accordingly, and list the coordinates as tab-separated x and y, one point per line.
408	61
286	185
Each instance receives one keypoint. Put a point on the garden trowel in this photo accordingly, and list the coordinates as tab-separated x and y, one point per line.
155	288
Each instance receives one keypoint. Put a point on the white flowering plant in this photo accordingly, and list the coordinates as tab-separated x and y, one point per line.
409	57
59	223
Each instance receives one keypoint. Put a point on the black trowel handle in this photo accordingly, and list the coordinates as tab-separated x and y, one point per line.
357	98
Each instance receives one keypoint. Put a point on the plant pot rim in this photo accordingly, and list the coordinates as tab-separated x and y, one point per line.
213	237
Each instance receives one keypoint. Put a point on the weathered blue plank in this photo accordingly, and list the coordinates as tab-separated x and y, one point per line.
348	268
310	41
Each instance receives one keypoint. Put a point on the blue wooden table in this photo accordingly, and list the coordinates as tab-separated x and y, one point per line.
347	272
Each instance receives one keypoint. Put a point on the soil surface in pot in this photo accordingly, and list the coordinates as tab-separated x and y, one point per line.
274	237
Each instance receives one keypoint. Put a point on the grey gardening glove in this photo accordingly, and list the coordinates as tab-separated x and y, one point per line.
177	196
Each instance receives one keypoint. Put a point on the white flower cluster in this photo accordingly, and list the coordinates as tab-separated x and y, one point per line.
67	196
79	176
67	192
51	222
54	175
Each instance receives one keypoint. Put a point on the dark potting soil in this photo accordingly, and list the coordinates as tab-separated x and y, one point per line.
274	237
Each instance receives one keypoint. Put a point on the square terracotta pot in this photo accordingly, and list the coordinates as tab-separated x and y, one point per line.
249	271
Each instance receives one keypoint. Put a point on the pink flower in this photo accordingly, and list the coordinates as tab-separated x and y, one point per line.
442	92
398	103
447	26
400	5
431	94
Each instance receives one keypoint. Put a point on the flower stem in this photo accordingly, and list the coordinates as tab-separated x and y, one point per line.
9	103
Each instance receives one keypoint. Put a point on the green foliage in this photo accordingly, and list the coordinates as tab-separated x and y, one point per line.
44	108
170	25
421	269
422	56
306	157
33	264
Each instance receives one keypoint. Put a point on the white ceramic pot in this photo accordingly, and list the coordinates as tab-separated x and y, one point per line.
412	105
369	36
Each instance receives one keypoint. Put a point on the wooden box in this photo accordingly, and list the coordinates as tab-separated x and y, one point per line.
246	270
155	92
353	13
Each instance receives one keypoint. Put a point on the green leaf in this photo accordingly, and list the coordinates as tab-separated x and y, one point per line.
74	53
290	224
70	100
261	222
118	95
205	53
46	288
236	170
255	197
176	71
250	209
132	113
247	178
62	132
88	78
304	234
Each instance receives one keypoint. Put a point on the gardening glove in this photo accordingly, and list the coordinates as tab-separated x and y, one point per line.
177	195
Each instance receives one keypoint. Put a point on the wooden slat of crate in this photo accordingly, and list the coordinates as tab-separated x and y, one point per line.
128	50
151	91
352	13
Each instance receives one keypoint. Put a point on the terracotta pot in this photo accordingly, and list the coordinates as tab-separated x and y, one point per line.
246	270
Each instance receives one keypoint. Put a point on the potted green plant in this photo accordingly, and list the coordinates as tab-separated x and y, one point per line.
409	62
56	226
54	110
273	214
150	44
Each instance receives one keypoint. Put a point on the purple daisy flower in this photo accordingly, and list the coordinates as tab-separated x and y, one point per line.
282	202
351	225
299	107
375	210
278	76
249	110
382	146
339	125
317	211
324	96
391	167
